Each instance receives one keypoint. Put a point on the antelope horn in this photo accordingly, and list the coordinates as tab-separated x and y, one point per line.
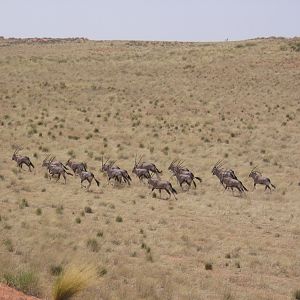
140	159
220	163
47	156
217	163
173	162
18	148
179	162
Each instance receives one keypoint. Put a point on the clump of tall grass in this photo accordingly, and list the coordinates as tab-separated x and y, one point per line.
73	281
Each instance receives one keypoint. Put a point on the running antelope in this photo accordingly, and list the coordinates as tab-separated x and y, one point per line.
259	179
84	175
151	167
180	170
185	178
221	173
140	173
20	159
77	167
229	182
114	172
157	184
58	170
51	162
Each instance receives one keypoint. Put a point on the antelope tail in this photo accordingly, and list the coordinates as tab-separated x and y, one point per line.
31	164
69	173
273	185
198	178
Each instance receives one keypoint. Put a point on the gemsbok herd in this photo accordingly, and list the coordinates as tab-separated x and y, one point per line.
144	171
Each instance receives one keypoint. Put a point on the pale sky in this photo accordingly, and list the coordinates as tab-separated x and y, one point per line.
181	20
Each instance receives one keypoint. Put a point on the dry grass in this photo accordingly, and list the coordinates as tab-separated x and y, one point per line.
195	101
72	281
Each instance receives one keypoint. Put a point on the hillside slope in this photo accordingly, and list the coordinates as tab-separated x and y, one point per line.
200	102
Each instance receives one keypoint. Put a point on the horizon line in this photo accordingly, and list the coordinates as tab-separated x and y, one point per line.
145	40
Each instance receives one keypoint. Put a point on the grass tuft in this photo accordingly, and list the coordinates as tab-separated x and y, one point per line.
72	281
297	294
24	281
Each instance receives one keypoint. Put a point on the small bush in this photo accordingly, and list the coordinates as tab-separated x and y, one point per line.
93	245
101	272
78	220
88	210
100	233
59	210
23	203
208	266
9	246
71	153
56	270
297	294
38	211
24	281
119	219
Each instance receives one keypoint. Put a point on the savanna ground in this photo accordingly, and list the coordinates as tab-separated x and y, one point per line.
201	102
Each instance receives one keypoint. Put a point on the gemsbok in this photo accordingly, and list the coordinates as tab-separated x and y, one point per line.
179	171
85	175
77	167
20	159
221	173
229	182
151	167
157	184
47	162
259	179
114	172
139	172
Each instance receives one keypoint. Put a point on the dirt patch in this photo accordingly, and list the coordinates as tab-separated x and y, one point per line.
7	293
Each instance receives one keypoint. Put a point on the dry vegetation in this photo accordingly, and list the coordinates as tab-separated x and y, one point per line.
239	101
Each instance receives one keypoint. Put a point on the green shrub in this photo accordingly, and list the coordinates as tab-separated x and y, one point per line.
24	281
38	211
88	210
23	203
92	244
119	219
9	246
56	270
208	266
